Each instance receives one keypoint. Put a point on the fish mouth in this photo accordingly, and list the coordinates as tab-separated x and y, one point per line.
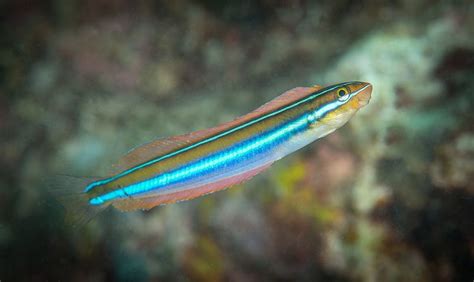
363	94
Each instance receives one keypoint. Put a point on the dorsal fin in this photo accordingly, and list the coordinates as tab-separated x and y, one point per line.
164	146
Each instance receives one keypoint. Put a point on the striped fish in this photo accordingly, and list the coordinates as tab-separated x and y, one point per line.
184	167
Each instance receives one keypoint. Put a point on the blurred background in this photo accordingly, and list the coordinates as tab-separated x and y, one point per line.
388	197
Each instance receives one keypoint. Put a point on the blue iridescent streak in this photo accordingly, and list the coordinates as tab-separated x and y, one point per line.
309	98
236	153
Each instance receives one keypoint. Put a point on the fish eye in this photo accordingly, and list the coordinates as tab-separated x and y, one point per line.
342	94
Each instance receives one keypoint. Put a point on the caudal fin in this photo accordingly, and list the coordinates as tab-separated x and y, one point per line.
69	191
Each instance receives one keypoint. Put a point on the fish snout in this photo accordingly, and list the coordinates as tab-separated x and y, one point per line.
364	94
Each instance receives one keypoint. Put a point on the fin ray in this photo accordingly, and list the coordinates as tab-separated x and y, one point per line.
68	190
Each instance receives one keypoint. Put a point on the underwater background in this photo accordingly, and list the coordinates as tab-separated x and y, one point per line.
388	197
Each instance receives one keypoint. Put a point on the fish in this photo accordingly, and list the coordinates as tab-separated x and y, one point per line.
184	167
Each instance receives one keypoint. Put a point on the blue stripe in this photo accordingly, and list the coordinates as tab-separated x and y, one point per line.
251	148
229	131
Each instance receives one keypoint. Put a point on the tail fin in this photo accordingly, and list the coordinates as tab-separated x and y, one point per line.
69	191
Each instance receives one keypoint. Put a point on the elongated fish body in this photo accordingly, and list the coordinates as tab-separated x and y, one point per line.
187	166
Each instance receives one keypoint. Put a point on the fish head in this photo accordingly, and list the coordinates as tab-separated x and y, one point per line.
338	104
349	98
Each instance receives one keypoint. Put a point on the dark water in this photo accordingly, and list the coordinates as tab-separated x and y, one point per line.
388	197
